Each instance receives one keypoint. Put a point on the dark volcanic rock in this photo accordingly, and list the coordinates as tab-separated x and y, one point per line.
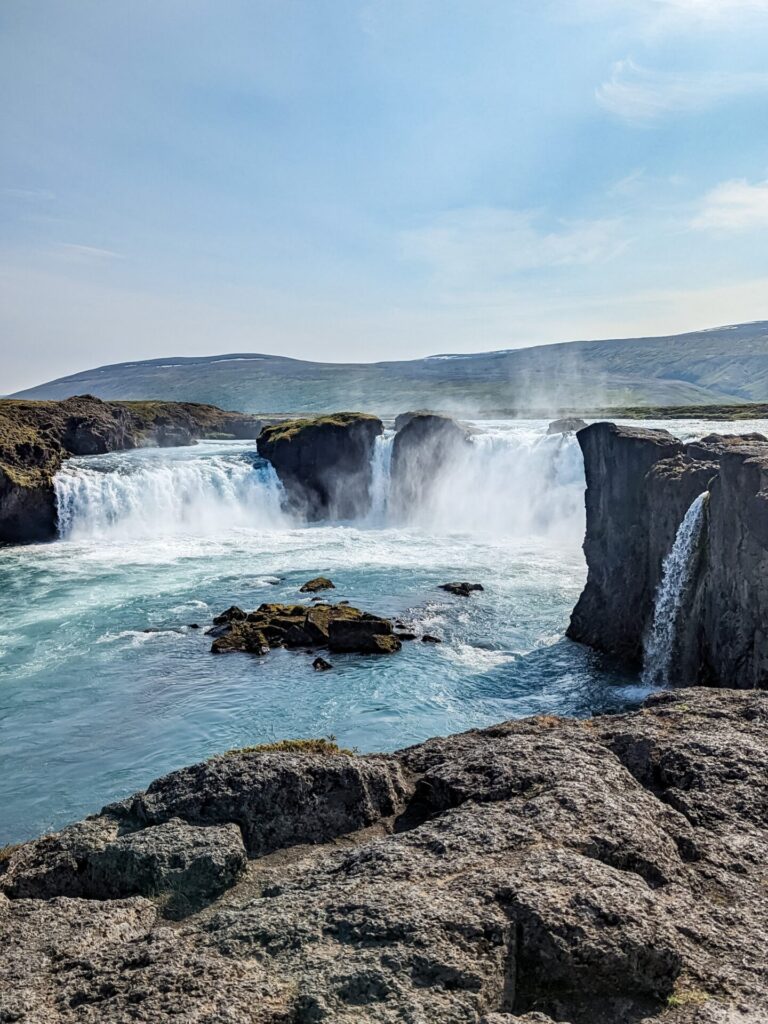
609	871
618	597
639	487
568	425
423	447
340	627
321	665
461	589
324	463
316	584
232	614
367	635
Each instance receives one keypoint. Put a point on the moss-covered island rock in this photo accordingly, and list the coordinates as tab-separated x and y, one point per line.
324	463
36	437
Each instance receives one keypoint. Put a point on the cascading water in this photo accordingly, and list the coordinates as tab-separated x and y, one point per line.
512	481
201	490
381	465
676	579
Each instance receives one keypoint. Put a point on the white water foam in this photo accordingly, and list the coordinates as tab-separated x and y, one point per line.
173	492
515	480
676	578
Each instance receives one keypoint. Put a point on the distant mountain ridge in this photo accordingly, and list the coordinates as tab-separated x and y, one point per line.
716	366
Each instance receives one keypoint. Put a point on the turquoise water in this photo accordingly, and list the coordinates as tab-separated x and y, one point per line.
92	707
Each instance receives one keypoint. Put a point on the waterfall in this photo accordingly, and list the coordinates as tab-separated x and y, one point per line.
512	480
676	578
381	465
201	490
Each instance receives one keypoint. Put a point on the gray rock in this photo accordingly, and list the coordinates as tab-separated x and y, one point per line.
608	871
91	860
567	425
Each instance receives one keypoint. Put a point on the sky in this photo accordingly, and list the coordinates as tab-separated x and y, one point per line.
380	179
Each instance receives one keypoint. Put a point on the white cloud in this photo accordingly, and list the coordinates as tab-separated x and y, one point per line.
641	94
734	206
488	244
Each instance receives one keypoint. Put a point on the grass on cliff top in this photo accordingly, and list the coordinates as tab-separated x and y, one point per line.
291	428
326	746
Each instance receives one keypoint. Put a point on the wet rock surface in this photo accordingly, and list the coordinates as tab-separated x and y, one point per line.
324	463
461	589
317	584
337	627
607	871
640	484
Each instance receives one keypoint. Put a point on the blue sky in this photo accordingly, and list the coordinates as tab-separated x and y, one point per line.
343	180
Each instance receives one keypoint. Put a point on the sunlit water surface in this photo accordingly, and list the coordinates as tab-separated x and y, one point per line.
93	707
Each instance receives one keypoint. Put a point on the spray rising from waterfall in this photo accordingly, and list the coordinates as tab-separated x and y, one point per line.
164	493
511	480
676	578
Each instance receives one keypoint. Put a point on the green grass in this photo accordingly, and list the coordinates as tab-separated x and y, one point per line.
325	746
687	997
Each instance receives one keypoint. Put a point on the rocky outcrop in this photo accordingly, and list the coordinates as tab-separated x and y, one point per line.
424	445
640	484
461	589
339	627
36	437
324	463
567	425
608	871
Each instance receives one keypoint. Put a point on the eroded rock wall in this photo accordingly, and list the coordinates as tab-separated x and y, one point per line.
640	484
324	463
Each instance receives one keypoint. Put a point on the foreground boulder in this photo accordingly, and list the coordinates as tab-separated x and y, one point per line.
324	463
640	484
36	438
608	871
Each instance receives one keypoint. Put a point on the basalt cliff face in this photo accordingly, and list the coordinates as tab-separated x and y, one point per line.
424	443
607	871
324	463
36	437
640	483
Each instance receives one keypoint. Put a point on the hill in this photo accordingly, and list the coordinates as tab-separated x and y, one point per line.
719	366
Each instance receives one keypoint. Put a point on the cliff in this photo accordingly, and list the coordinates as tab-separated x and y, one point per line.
36	437
324	463
425	442
607	871
640	483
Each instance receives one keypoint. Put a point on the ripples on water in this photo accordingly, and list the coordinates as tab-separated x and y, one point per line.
93	707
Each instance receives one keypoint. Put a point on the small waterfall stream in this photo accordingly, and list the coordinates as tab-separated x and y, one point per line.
677	575
381	465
